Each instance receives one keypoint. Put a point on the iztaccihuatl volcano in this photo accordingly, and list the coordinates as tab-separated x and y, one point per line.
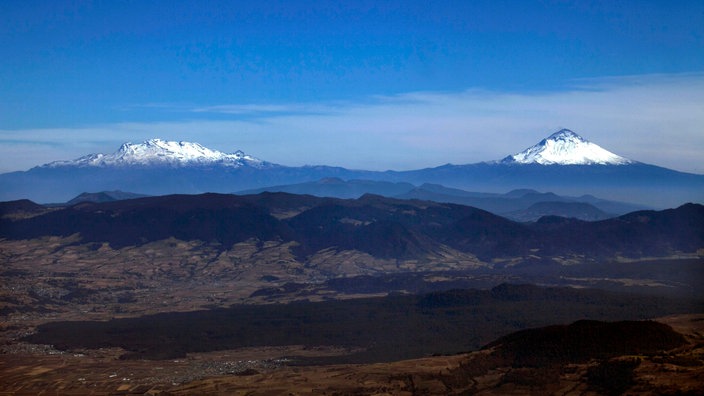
160	153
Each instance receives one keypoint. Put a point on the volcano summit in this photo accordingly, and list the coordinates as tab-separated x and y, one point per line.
565	147
158	152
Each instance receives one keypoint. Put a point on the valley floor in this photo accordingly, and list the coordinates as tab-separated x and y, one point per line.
47	281
265	371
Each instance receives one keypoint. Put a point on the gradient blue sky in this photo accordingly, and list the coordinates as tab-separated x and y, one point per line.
375	85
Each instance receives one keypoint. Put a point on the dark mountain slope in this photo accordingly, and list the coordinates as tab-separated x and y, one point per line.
22	207
487	235
338	188
380	226
283	203
584	340
211	218
104	196
638	234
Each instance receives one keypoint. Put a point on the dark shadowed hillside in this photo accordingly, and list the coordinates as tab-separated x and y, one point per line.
381	227
338	188
584	340
214	218
577	210
20	208
104	196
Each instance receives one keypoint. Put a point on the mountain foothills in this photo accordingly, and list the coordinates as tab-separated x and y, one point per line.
383	228
269	293
564	163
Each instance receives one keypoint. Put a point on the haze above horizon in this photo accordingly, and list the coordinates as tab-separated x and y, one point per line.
374	85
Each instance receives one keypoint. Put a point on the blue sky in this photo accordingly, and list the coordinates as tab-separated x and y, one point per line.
375	85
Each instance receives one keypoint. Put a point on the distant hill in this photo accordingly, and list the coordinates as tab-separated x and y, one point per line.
576	210
21	205
104	196
512	204
338	188
20	208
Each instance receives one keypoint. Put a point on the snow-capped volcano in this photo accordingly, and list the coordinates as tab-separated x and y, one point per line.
164	153
565	147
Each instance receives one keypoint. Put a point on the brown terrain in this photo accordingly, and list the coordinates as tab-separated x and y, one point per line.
676	372
33	369
172	275
92	285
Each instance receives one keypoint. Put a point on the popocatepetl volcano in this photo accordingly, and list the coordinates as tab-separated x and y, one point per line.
565	147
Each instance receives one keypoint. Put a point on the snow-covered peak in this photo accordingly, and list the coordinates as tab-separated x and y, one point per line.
565	147
158	152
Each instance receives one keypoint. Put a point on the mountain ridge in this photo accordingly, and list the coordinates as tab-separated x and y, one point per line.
156	173
158	152
504	204
385	228
563	147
